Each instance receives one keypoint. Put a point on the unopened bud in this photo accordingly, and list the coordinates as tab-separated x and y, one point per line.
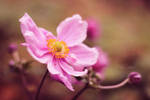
11	63
134	77
12	66
12	48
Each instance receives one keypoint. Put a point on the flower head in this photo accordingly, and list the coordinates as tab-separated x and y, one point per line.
65	55
101	63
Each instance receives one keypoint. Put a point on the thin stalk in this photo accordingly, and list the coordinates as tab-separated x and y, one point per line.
80	92
112	86
40	86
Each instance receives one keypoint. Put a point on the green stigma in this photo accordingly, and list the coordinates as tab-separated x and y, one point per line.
58	46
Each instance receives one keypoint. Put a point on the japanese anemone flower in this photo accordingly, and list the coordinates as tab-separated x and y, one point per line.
65	55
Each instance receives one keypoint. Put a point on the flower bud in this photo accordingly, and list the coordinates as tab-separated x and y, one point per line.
13	67
12	48
11	64
134	77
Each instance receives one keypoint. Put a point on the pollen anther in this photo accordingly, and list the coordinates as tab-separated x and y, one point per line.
58	49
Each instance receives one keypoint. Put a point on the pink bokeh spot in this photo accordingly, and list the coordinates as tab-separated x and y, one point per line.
73	32
93	31
101	63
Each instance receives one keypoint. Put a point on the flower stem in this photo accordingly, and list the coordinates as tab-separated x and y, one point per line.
112	86
80	92
40	86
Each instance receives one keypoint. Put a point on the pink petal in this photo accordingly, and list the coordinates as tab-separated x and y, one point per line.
58	74
33	41
42	59
37	49
84	55
72	60
101	63
72	30
24	44
53	66
65	79
27	24
69	69
47	34
32	36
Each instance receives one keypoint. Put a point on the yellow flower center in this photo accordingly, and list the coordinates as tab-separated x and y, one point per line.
58	48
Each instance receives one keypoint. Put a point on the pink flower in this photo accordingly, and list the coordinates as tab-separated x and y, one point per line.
65	55
93	31
101	63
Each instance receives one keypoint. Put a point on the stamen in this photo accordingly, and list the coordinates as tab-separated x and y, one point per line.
58	49
58	46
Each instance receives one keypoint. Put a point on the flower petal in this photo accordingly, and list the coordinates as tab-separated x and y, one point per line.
72	60
27	24
47	34
72	30
69	69
53	66
31	39
58	74
42	59
65	79
84	55
101	63
37	49
33	35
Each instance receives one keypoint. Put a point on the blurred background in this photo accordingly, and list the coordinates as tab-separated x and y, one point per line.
125	37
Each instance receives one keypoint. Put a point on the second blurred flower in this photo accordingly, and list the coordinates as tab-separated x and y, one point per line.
94	31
